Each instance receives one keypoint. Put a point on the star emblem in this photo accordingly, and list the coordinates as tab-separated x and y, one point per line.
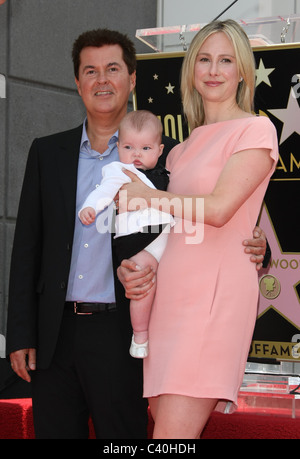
287	302
170	88
262	74
155	76
289	116
150	100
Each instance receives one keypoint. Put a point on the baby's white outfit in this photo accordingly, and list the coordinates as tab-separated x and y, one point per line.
113	178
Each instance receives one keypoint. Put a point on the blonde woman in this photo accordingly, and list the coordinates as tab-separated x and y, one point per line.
205	307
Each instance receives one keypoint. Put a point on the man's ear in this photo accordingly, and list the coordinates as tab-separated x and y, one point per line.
133	80
77	82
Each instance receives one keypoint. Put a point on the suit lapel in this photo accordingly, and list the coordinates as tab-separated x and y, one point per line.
67	163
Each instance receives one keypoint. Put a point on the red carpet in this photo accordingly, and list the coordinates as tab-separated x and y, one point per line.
16	423
16	419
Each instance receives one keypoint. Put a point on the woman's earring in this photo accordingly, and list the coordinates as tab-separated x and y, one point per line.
241	79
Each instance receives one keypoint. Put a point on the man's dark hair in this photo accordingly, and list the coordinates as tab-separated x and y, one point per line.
101	37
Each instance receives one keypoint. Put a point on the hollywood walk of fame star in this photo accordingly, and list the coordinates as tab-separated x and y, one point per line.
289	116
284	266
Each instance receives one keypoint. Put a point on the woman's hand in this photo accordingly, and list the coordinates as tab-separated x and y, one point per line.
134	195
256	247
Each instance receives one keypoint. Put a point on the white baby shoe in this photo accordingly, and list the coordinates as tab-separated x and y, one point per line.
139	351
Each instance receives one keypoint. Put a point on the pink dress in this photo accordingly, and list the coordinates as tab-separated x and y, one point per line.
205	307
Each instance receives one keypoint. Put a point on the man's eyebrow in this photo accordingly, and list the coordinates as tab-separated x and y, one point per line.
112	64
86	67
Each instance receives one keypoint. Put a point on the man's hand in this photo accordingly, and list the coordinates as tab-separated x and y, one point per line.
136	281
23	361
256	247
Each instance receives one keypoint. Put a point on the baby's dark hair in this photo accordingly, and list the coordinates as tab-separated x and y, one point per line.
139	120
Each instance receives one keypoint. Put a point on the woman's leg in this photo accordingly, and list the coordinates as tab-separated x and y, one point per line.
179	416
153	404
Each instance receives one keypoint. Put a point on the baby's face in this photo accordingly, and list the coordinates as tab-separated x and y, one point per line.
141	148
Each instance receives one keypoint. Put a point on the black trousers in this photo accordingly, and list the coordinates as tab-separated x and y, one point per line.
92	374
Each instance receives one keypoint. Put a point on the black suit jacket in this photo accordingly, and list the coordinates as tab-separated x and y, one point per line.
42	246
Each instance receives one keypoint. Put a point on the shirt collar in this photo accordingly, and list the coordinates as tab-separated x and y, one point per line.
85	145
84	137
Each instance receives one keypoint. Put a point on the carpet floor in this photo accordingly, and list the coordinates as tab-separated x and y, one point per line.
267	422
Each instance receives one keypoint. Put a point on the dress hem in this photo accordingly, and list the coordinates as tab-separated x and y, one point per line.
224	405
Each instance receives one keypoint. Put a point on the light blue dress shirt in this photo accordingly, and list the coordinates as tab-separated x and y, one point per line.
91	274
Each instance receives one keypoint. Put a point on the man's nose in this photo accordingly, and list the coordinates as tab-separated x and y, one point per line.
102	77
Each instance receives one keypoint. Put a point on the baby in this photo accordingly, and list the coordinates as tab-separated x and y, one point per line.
139	147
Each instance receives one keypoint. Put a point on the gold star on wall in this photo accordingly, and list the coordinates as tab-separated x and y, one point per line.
262	74
170	88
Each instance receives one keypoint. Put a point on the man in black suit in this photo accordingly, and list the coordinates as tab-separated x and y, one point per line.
68	328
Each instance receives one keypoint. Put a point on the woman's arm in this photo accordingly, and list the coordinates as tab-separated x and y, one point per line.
242	174
137	282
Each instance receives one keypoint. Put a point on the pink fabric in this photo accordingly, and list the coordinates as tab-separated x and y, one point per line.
206	301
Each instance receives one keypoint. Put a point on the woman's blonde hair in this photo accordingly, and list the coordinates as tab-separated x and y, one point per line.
191	99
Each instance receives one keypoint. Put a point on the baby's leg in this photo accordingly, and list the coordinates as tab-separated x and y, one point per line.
140	310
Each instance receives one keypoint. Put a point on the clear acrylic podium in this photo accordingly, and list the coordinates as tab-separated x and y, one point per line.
268	387
261	31
271	389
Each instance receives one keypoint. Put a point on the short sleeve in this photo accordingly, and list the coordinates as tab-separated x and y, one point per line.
260	132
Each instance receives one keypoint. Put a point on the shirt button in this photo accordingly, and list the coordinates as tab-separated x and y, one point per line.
80	276
101	157
85	246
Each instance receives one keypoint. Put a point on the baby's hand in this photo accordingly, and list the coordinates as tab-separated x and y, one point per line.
87	215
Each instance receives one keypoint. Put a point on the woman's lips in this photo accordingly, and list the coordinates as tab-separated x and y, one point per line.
213	83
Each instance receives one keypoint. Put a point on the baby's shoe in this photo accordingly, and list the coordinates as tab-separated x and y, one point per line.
139	351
